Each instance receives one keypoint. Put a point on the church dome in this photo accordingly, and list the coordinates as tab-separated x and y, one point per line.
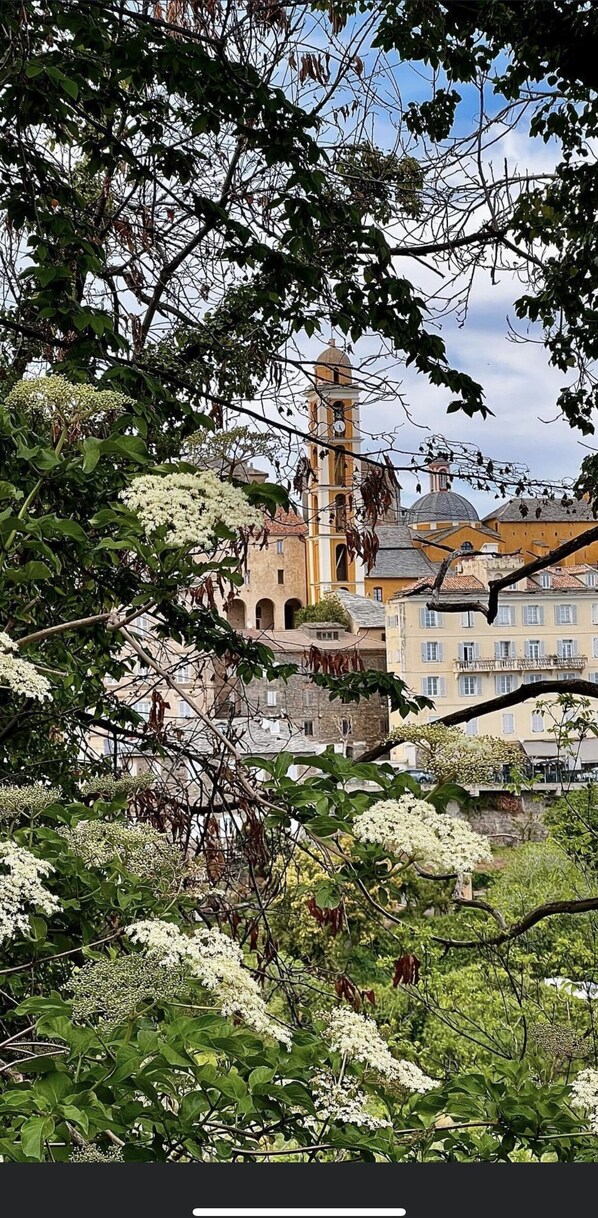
333	359
445	506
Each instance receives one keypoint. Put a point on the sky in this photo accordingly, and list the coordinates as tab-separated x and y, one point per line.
520	386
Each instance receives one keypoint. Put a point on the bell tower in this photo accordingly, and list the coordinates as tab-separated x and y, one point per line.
333	418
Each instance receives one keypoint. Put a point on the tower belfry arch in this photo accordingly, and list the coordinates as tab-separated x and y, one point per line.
333	418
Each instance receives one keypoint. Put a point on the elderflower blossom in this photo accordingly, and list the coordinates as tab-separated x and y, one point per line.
31	799
21	675
56	398
113	990
217	962
343	1103
93	1154
110	788
584	1094
21	889
358	1039
412	827
141	849
189	507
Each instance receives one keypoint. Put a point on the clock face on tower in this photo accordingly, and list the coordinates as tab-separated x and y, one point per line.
339	427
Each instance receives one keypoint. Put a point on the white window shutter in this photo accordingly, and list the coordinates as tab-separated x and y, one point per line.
559	648
461	651
526	615
440	651
512	646
496	651
574	615
541	648
440	619
424	656
476	650
595	647
575	650
441	687
465	618
425	685
527	649
541	615
557	615
422	618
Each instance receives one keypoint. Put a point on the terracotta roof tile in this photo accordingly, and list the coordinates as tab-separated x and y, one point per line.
452	583
285	524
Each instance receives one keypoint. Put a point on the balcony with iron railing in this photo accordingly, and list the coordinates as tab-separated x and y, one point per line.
522	663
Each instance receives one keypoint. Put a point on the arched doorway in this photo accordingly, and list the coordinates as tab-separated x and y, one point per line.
235	615
264	614
290	610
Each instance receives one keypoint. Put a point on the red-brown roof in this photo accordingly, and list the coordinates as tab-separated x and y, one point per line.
285	524
451	583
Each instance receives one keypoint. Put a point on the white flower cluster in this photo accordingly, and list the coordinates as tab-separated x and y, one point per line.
110	788
93	1154
189	507
217	962
20	675
342	1103
141	849
27	800
21	888
584	1094
413	828
55	397
358	1038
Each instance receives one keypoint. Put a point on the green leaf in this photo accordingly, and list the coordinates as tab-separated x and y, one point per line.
33	1135
91	454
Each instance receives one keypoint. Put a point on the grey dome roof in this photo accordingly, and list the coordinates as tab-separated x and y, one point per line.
441	505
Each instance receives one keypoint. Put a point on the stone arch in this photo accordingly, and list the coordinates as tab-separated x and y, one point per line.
264	614
290	610
235	615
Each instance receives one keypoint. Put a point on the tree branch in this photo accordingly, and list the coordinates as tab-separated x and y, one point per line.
583	905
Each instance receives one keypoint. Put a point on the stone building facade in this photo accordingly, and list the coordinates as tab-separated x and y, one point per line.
275	585
302	708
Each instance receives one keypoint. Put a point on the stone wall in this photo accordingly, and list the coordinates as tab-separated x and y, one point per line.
508	819
358	725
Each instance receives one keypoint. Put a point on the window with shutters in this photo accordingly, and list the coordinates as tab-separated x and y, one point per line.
568	676
533	615
537	722
469	687
593	676
545	579
309	697
505	616
505	649
433	687
185	711
567	648
143	708
565	615
595	614
430	619
532	678
468	619
182	674
508	725
591	579
431	652
504	683
534	649
595	647
467	652
271	697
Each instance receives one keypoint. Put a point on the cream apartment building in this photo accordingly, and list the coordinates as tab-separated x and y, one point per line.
547	626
